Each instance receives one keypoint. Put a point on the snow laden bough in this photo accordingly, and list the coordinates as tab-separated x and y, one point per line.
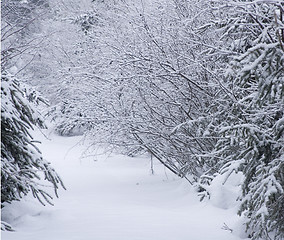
249	121
22	163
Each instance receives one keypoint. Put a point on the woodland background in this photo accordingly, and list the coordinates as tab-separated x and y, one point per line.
197	85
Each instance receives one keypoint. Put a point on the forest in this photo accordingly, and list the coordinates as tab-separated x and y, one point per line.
198	86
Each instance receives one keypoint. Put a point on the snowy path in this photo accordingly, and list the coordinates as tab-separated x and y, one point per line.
115	198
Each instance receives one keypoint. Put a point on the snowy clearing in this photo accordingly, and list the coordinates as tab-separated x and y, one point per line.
115	197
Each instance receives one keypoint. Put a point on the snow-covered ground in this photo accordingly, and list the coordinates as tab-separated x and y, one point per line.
116	198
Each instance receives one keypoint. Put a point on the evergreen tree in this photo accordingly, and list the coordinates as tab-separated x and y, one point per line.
250	118
21	162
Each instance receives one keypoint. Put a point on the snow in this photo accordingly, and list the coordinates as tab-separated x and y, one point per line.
224	195
113	197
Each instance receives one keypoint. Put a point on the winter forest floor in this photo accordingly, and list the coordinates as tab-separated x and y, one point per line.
113	197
